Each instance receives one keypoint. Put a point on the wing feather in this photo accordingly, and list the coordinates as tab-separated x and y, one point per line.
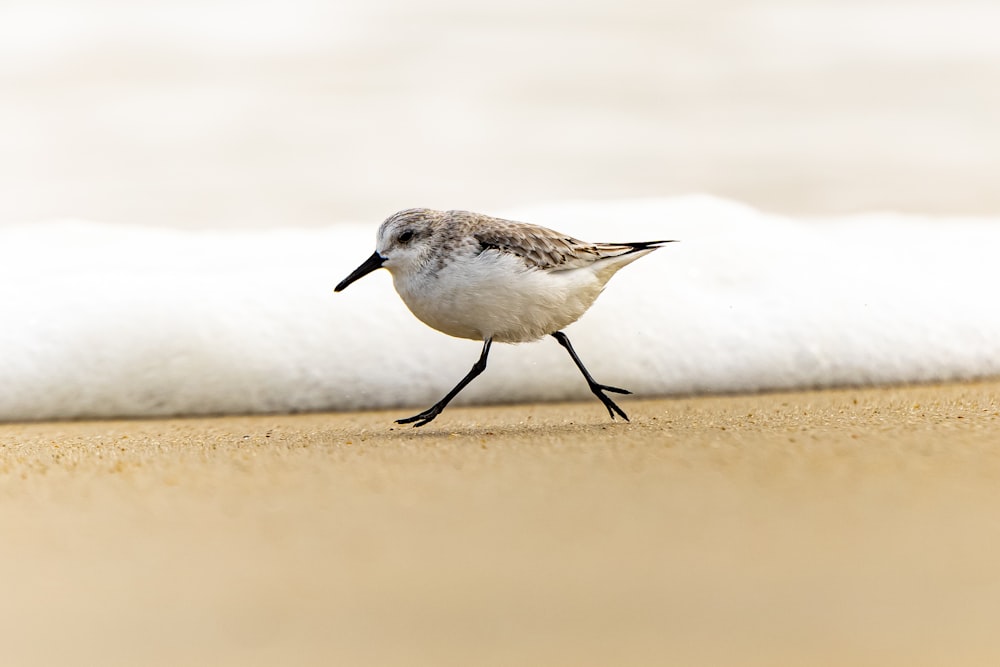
543	248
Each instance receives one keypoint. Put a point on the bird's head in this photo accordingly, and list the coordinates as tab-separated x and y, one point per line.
404	243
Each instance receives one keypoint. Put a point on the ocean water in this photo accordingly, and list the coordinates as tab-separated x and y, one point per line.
111	320
229	113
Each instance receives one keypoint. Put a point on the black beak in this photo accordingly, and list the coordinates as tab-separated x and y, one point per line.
372	263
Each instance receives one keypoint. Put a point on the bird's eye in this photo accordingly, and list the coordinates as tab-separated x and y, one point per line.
406	236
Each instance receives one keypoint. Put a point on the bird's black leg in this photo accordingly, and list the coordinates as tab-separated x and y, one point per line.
428	415
595	387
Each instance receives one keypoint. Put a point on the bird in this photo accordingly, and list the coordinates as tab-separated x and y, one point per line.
488	279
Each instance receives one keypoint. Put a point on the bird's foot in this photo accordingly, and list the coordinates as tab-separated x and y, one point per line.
424	418
612	407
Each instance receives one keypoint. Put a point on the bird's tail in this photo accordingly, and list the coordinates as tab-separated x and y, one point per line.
619	255
639	246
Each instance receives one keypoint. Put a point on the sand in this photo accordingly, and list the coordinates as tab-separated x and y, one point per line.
857	526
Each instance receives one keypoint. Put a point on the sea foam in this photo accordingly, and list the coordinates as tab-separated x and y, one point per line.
104	320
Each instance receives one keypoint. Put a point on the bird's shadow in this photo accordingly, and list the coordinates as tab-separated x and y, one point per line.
524	429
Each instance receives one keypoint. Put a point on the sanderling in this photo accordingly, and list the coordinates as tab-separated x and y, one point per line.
474	276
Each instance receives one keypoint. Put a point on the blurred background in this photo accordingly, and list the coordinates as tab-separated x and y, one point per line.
303	112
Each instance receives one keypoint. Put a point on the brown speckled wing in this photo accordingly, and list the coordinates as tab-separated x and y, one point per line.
539	247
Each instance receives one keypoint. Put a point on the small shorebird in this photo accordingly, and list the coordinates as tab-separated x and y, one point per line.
474	276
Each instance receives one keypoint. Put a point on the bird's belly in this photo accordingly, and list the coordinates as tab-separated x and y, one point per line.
521	307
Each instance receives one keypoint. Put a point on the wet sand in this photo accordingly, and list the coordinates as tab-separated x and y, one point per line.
857	526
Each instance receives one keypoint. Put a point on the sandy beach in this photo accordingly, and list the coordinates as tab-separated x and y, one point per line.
855	526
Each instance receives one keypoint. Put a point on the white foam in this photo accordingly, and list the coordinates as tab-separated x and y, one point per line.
109	320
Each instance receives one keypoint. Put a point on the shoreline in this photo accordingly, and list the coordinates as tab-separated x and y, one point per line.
405	410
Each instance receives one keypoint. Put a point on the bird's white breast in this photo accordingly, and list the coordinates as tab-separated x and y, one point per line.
494	294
